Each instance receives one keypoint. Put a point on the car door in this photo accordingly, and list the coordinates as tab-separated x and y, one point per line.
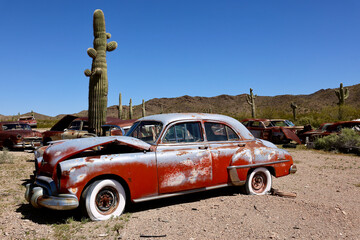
183	158
224	144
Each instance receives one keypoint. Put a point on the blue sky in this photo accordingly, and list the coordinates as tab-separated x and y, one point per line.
171	48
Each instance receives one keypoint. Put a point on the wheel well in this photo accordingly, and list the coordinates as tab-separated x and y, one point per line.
114	177
47	140
8	143
271	170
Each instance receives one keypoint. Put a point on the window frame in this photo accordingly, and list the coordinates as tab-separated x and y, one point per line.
201	128
227	134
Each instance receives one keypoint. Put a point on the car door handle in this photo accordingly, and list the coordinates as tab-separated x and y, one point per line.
242	144
203	147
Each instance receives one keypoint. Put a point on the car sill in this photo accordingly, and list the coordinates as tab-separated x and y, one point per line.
181	193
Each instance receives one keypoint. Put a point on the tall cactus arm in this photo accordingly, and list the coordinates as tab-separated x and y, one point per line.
346	93
248	99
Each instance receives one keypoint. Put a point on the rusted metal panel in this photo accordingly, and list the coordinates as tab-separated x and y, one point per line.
290	135
183	167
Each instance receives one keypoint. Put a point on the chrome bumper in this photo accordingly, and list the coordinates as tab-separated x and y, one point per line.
36	197
33	144
293	169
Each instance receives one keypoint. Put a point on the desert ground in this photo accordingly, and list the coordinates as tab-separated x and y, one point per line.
326	206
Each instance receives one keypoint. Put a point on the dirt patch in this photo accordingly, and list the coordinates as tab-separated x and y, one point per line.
326	206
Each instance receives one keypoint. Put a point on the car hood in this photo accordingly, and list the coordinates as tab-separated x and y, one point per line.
24	133
63	123
63	149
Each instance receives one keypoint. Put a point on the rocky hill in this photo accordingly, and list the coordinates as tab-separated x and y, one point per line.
231	105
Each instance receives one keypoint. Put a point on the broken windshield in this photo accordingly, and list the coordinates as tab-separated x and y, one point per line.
147	131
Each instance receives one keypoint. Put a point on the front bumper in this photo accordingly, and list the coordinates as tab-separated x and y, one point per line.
35	195
28	144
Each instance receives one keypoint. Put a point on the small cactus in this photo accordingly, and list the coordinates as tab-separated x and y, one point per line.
251	101
98	84
130	110
293	106
120	108
143	108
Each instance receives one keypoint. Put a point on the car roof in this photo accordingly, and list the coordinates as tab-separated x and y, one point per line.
256	119
172	117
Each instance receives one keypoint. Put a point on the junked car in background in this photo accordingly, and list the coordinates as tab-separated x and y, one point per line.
326	129
273	130
161	156
18	135
71	127
29	120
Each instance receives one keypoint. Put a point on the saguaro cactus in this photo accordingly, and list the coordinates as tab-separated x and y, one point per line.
98	84
251	101
293	106
120	108
342	94
143	108
130	109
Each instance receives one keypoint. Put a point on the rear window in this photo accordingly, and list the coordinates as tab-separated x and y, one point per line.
220	132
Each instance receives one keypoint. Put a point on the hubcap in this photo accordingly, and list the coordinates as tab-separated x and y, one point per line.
107	200
259	182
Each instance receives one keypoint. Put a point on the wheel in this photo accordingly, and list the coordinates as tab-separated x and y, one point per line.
258	182
104	199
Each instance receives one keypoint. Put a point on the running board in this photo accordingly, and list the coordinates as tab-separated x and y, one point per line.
181	193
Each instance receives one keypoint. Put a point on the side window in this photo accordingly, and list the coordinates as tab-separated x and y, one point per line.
257	124
184	132
219	132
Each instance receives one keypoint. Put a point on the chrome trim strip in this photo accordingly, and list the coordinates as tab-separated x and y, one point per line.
257	164
181	193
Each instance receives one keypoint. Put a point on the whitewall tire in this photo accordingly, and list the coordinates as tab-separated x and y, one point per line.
258	182
104	199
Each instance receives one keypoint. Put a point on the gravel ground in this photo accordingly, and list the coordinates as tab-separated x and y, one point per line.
327	206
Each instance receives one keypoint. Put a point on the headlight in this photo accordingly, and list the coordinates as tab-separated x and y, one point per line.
18	136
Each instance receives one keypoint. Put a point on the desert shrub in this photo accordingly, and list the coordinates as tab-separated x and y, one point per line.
5	157
348	138
46	123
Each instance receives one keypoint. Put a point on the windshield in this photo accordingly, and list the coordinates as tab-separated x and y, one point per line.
148	131
16	127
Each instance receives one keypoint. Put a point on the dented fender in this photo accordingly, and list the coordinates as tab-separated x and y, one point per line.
138	170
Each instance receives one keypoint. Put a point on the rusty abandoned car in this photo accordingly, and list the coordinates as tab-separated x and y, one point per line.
18	135
273	130
29	120
326	129
71	127
161	156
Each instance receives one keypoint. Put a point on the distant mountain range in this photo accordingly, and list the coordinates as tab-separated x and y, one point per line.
230	105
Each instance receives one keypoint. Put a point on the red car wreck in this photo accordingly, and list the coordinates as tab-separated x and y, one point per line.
18	135
273	130
161	156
